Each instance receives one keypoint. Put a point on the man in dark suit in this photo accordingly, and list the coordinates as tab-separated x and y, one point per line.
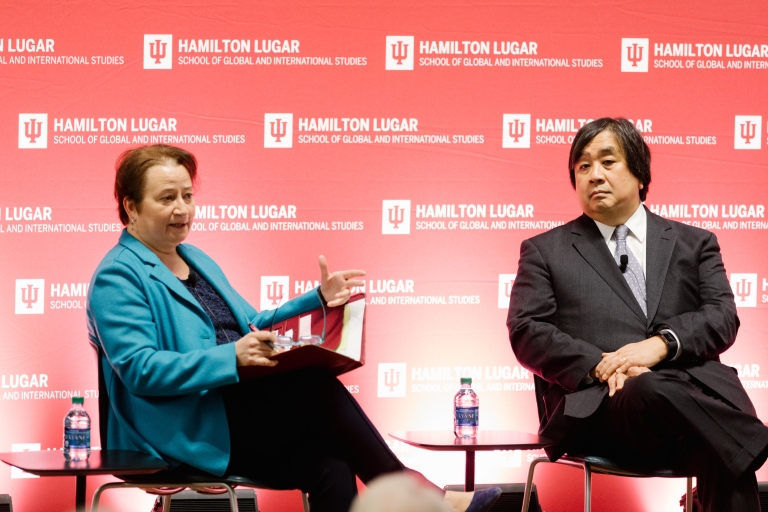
621	315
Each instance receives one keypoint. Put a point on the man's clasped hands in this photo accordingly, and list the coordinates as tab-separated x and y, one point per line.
629	361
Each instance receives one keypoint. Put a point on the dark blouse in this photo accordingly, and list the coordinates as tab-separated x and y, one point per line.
213	304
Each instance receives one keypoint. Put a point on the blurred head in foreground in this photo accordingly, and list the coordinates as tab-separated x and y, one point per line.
398	492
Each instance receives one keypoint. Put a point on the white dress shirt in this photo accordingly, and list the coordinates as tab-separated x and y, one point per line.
638	226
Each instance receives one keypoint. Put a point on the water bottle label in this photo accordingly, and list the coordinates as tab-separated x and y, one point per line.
75	438
467	416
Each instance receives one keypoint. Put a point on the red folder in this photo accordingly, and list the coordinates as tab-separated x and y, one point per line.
342	351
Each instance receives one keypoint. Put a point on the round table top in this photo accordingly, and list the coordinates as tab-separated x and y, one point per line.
446	440
108	462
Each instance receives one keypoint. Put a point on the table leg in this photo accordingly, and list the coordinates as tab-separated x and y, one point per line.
469	472
80	493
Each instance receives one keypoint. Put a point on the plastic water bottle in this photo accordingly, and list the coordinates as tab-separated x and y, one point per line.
77	432
466	410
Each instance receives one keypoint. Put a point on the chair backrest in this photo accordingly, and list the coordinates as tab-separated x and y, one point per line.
103	399
540	385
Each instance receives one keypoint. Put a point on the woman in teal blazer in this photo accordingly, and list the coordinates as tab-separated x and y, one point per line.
162	365
173	332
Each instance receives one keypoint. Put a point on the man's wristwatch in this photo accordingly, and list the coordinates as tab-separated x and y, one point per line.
673	344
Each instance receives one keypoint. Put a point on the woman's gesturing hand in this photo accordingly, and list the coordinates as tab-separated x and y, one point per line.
336	287
251	349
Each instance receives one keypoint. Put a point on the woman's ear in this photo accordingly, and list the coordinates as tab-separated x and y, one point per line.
130	207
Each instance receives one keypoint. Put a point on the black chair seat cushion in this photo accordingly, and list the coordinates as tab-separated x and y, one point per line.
603	465
189	475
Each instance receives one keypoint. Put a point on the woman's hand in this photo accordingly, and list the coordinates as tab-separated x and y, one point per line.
336	287
251	349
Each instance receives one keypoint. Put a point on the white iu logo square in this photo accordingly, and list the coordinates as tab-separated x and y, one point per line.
391	380
278	130
158	51
634	55
274	291
33	131
747	132
30	296
400	50
744	288
396	217
516	131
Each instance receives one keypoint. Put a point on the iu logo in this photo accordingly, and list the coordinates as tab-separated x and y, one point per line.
634	55
30	296
391	380
278	130
505	289
744	288
747	133
400	50
396	217
33	131
158	51
274	291
516	131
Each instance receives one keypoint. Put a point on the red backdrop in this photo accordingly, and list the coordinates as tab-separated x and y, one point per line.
421	141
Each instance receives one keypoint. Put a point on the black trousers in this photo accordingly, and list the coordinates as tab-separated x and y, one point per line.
668	418
304	430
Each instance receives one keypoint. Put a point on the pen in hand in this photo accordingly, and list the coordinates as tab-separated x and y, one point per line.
266	342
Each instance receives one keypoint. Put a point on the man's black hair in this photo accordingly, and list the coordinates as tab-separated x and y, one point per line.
631	143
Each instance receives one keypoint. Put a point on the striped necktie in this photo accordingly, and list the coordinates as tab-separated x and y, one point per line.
632	270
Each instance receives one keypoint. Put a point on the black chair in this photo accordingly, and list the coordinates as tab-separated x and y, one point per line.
169	482
599	465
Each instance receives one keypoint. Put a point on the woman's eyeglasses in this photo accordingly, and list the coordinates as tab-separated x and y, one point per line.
287	342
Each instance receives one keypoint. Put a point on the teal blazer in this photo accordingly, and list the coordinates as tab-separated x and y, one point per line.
161	364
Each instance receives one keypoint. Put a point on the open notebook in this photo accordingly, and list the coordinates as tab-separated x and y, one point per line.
342	351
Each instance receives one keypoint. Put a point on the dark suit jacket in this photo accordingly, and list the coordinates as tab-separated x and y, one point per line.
570	302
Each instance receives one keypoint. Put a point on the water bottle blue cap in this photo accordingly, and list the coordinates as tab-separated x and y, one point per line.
466	380
77	400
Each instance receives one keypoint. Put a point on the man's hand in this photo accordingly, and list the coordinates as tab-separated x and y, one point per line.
617	380
336	287
251	349
647	353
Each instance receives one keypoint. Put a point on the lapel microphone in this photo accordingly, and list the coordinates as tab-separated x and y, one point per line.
192	279
624	259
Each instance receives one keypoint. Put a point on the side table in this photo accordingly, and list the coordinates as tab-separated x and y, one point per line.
486	440
106	462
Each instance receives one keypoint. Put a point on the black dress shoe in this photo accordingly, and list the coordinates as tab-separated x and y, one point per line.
482	501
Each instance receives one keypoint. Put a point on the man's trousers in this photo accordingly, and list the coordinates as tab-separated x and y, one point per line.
667	418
